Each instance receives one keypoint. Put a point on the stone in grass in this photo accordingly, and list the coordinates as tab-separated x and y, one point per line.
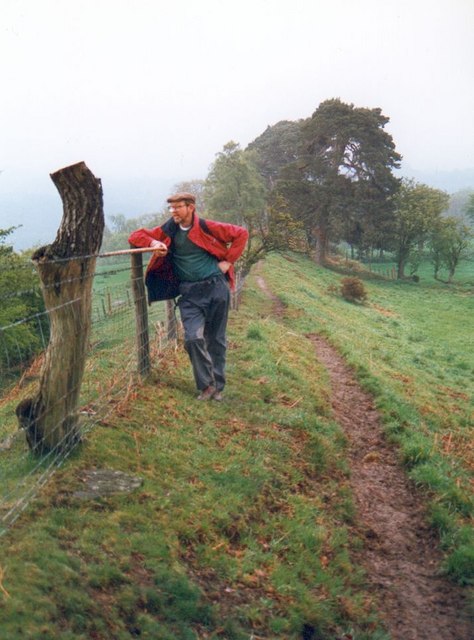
99	483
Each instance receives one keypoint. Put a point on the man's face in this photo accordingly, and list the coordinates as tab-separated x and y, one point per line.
181	213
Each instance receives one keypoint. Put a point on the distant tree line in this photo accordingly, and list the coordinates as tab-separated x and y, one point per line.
327	179
312	184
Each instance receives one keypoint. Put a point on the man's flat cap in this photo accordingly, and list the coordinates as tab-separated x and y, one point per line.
184	195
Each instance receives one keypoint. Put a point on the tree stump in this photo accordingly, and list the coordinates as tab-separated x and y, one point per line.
66	270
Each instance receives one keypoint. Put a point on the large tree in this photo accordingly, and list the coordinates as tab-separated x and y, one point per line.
343	175
417	211
277	147
235	192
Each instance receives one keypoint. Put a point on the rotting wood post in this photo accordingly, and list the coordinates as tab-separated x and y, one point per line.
141	315
66	269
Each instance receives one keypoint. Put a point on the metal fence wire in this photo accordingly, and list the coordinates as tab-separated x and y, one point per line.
109	374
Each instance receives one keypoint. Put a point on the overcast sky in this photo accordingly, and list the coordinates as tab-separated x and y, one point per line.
146	92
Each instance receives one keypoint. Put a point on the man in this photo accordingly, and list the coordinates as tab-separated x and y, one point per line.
194	259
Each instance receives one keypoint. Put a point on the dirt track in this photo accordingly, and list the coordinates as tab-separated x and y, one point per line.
400	556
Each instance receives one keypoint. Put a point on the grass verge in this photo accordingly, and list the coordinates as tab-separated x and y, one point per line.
411	346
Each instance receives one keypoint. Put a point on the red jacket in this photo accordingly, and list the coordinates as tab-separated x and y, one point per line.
222	240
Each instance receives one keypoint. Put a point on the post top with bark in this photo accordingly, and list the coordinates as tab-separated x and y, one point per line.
82	225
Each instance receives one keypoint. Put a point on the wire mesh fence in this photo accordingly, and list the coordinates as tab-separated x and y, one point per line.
109	373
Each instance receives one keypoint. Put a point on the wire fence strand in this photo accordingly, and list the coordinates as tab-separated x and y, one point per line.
109	375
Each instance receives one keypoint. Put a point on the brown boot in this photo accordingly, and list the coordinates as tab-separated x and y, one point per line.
207	394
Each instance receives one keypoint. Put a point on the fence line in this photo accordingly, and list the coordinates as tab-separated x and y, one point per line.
109	374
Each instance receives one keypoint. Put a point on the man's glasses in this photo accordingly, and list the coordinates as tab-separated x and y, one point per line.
177	206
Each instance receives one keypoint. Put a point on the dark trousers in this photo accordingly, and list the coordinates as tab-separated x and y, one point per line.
204	309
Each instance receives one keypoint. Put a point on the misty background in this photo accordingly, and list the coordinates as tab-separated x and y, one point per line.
147	92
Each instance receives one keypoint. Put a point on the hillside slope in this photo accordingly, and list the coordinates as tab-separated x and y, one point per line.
245	524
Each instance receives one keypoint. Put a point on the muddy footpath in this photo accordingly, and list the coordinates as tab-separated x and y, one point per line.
401	556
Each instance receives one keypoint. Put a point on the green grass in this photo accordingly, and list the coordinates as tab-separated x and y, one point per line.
463	277
411	345
243	524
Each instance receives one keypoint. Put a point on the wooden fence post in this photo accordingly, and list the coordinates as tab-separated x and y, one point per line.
171	324
235	295
66	269
141	315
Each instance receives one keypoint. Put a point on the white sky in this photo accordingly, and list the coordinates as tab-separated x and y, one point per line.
152	89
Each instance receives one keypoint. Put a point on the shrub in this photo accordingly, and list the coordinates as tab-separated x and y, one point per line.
353	290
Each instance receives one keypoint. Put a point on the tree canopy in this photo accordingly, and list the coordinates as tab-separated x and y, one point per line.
342	178
277	147
417	210
450	239
234	189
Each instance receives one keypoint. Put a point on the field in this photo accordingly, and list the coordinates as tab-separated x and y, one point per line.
244	524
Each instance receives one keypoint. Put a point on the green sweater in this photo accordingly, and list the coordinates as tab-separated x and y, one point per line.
190	262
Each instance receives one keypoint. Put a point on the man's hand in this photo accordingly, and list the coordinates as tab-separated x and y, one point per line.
159	247
224	266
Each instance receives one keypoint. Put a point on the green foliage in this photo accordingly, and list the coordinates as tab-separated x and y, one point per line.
22	330
460	564
417	210
277	147
254	332
284	230
342	179
450	241
235	192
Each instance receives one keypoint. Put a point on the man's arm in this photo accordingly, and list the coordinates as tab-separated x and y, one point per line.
149	238
231	234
